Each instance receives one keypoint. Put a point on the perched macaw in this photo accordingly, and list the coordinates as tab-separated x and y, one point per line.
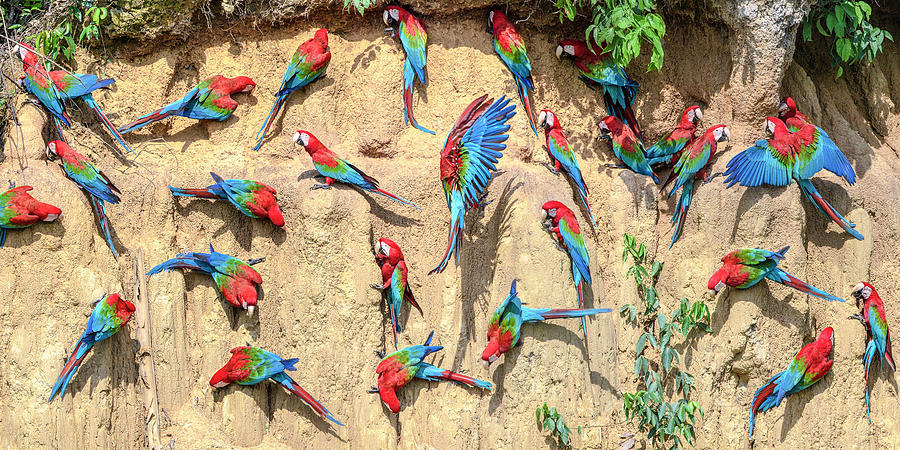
874	319
510	47
596	68
18	209
252	365
53	88
744	268
333	168
693	164
307	65
108	316
792	117
97	185
209	100
562	157
468	160
251	198
560	221
395	283
413	37
236	280
397	369
626	146
809	365
793	156
503	329
668	149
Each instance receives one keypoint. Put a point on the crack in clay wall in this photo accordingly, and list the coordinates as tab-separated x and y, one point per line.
316	302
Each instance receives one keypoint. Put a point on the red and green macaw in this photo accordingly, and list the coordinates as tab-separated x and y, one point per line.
397	369
510	47
562	157
668	149
468	160
562	224
506	323
236	280
108	316
18	209
744	268
307	65
413	37
89	178
792	117
793	156
626	146
208	100
395	282
596	68
252	365
333	168
809	365
693	164
251	198
53	88
874	320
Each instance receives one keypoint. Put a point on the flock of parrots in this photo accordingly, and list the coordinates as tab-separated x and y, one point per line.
795	151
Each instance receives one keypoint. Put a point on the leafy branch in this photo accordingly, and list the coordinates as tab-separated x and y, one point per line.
847	23
553	422
665	422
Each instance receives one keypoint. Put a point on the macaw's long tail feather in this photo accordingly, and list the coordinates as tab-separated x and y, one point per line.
580	288
59	129
789	280
537	315
2	237
295	389
526	103
264	130
763	400
409	77
103	220
395	323
72	364
181	262
618	103
89	100
395	198
813	195
457	214
428	372
868	356
631	120
412	300
145	120
684	202
201	193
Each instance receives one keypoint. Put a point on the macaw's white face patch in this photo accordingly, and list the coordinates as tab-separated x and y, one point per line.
51	217
862	291
720	285
492	358
551	212
301	138
385	249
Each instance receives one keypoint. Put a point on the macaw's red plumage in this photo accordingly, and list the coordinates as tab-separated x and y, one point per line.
744	268
596	68
18	209
693	164
208	100
468	161
562	157
792	117
395	281
252	365
110	313
413	37
251	198
668	149
793	156
333	168
874	319
397	369
626	146
307	65
809	365
510	47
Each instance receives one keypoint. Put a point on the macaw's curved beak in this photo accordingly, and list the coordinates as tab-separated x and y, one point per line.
256	261
559	51
782	107
727	134
250	309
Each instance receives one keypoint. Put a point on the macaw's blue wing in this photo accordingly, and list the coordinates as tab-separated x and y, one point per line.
480	149
758	165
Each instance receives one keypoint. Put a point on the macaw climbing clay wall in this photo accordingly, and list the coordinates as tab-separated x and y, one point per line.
734	58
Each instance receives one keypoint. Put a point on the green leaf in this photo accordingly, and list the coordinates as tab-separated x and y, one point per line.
641	344
561	426
537	415
866	9
655	269
548	424
667	359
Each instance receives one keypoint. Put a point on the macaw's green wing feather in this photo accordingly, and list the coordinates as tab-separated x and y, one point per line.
414	40
577	250
818	151
695	158
760	164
